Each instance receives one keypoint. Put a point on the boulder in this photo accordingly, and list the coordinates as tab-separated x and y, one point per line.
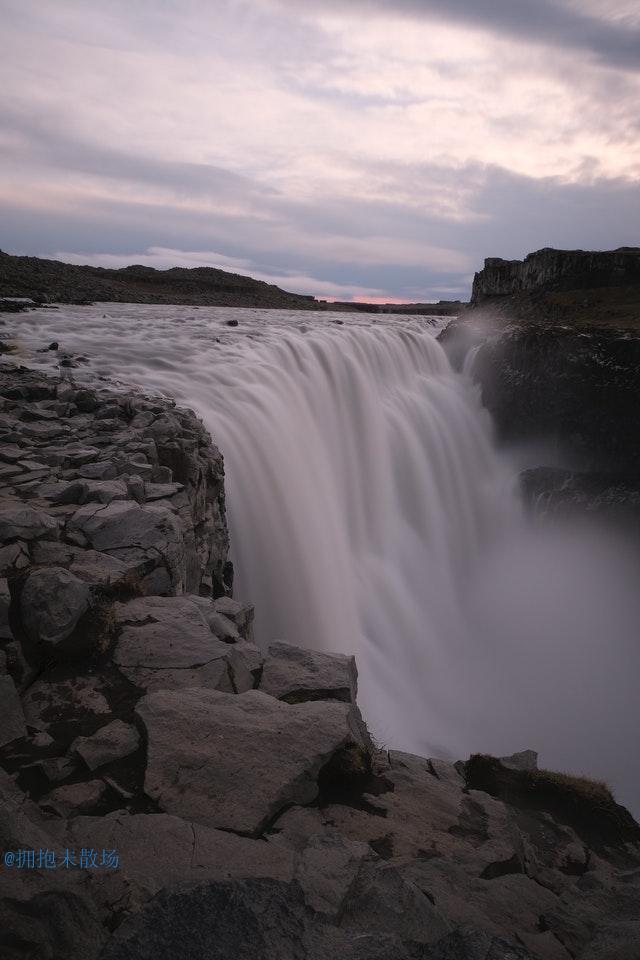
52	602
166	643
123	524
19	522
295	674
112	742
235	761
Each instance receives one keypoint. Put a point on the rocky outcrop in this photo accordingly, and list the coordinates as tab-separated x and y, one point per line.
183	793
102	489
554	343
550	269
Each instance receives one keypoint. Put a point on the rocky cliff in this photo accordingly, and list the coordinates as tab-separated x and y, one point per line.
562	286
556	351
550	269
169	790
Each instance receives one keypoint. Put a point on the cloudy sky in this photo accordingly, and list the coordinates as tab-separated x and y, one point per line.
345	148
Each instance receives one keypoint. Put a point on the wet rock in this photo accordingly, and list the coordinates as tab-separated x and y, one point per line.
113	742
206	753
294	674
52	602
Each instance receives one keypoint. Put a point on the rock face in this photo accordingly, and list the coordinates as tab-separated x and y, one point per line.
159	520
577	389
51	603
556	351
550	269
236	761
215	800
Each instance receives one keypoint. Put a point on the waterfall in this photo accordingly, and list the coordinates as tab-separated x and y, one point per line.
371	513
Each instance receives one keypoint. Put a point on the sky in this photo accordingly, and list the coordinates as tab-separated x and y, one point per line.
350	149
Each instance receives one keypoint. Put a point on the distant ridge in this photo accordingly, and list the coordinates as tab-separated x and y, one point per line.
51	281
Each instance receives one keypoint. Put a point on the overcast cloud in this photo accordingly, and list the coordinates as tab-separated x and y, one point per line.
361	148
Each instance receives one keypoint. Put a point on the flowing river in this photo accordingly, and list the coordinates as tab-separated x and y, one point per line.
371	513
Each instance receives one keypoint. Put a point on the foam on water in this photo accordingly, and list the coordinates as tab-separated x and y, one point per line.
370	513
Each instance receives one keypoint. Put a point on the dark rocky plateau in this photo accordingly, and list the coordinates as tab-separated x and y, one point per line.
583	288
251	813
51	281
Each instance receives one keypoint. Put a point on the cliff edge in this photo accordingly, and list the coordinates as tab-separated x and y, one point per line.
590	288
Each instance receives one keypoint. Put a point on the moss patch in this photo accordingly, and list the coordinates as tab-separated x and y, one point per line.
586	805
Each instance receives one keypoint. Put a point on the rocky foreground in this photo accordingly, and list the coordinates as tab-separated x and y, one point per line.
186	794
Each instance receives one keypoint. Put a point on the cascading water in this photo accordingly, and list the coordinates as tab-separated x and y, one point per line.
371	514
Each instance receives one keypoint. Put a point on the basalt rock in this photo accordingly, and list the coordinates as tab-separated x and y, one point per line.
550	269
